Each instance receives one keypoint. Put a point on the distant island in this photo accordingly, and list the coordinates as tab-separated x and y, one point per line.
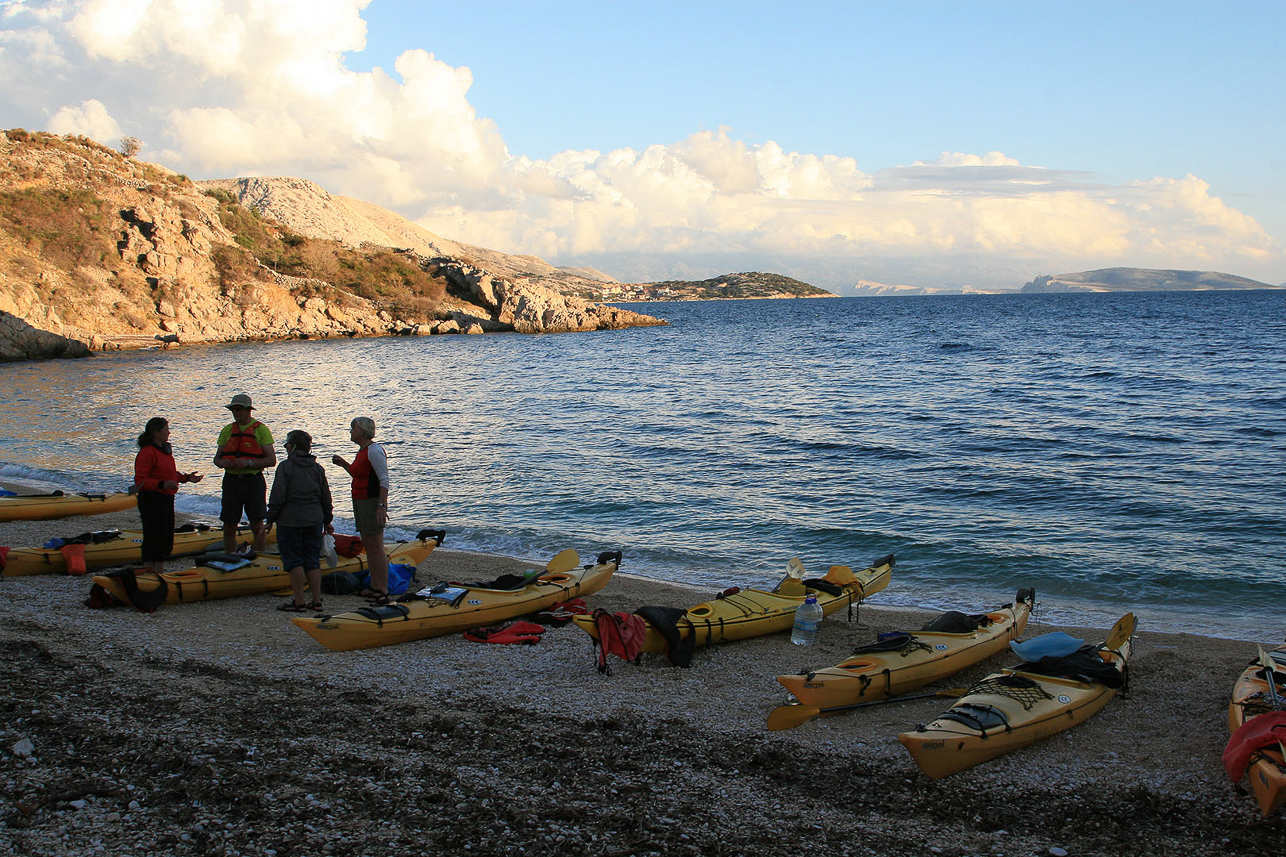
1140	280
751	285
1100	280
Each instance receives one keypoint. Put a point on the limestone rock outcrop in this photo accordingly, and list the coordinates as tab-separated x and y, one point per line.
108	252
21	341
507	293
525	308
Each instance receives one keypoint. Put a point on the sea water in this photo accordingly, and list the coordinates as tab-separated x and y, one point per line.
1114	451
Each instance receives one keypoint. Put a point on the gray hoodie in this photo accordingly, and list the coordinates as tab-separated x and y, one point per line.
300	493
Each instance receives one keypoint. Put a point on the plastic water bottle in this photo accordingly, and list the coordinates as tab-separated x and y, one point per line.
808	619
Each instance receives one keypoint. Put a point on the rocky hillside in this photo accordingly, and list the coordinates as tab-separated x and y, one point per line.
1140	280
750	285
307	209
98	251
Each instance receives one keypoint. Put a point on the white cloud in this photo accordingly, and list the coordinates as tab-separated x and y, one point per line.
260	87
90	119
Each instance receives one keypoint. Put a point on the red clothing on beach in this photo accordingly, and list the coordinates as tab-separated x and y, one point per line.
152	466
366	479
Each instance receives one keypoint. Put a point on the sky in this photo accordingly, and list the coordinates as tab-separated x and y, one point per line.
930	144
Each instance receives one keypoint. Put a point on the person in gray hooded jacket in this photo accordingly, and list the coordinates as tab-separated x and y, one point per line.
301	507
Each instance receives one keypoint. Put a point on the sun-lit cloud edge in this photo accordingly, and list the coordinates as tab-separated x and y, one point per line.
239	87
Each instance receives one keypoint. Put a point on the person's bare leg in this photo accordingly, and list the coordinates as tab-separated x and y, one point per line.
297	584
314	584
377	561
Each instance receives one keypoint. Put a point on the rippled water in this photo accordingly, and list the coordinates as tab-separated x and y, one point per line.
1114	451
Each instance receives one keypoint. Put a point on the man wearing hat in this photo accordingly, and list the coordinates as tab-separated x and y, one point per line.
245	449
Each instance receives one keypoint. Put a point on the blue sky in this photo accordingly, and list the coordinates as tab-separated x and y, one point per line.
935	144
1123	89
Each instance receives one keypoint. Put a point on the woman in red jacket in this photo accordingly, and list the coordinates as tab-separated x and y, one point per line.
157	479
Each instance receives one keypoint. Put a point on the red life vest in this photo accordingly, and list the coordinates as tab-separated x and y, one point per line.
1264	730
366	482
519	633
242	442
619	634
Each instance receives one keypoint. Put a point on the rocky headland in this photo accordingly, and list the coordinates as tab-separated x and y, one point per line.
99	251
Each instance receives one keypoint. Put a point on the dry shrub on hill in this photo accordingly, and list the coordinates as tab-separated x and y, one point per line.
391	279
67	227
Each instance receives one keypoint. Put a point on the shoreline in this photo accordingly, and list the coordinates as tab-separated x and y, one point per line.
220	728
1067	610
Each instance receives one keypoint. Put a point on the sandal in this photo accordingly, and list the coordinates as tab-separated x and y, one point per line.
377	597
316	607
292	607
371	593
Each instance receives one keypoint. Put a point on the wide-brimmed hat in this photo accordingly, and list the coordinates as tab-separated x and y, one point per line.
240	400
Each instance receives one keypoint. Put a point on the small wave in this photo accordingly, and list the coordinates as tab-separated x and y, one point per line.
41	479
1255	431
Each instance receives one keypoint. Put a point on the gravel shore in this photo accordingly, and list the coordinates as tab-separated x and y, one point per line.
219	728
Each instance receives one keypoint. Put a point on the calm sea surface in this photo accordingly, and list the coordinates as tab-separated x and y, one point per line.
1117	452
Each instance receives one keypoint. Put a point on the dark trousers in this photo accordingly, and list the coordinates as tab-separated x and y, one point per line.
157	513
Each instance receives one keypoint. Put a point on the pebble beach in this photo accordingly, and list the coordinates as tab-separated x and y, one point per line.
220	728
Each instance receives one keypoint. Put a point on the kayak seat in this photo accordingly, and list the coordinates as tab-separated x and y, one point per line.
955	622
384	612
891	641
980	717
823	586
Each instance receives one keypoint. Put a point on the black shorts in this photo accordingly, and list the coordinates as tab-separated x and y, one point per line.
300	547
244	491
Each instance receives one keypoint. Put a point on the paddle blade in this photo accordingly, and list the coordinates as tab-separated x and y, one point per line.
1122	631
789	716
563	562
795	568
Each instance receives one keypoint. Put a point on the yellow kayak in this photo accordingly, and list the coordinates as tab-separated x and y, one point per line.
262	574
754	612
119	547
1017	707
1250	698
456	607
921	658
39	507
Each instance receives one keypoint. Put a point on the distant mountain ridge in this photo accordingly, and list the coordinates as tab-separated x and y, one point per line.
871	289
1141	280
